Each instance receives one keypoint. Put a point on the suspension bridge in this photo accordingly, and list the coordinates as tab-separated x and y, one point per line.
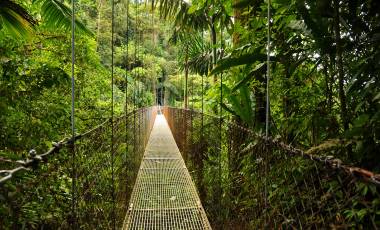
188	176
175	168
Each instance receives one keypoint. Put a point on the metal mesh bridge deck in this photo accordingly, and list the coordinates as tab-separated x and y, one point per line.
164	195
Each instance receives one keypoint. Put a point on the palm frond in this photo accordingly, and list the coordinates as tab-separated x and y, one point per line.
199	52
197	21
243	59
200	56
58	15
55	14
179	10
15	19
167	7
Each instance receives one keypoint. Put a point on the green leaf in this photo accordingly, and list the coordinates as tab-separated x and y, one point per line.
244	59
225	107
377	97
15	19
361	213
57	14
258	69
192	9
361	120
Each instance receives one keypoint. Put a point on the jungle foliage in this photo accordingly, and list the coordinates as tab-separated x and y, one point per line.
324	62
324	83
35	89
36	69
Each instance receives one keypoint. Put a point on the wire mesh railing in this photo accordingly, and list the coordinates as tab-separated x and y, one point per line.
59	191
247	181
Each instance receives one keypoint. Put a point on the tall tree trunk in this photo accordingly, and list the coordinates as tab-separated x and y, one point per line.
339	61
237	19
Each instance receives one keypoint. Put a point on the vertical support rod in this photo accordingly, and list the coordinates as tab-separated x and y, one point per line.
186	94
267	115
220	124
126	106
135	57
126	72
135	86
155	91
202	90
267	112
192	92
112	119
183	90
73	155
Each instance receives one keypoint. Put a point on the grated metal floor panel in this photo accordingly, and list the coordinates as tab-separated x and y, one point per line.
164	196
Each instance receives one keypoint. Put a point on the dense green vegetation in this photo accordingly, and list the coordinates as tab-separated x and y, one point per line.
35	100
36	70
324	82
324	85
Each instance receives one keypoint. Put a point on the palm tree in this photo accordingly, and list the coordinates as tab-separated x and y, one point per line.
200	19
188	20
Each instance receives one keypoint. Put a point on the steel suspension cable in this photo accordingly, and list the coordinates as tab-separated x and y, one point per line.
127	65
267	110
138	98
73	155
134	81
203	40
112	117
192	92
183	90
220	123
126	90
153	45
141	86
139	75
135	60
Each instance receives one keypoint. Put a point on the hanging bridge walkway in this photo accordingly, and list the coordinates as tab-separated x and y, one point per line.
166	168
164	195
